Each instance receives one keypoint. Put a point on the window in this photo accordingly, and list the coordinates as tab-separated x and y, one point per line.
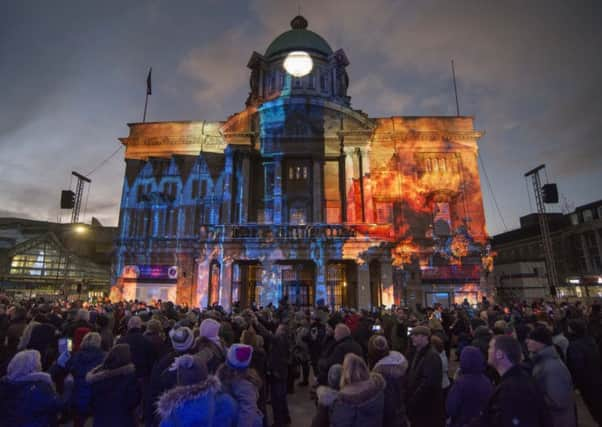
199	188
429	166
587	215
311	81
574	219
298	215
297	173
213	294
384	213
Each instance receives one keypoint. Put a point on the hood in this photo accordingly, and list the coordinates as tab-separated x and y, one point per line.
363	391
99	374
176	397
394	364
472	361
326	395
34	377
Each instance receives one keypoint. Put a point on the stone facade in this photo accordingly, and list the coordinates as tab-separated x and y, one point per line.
300	195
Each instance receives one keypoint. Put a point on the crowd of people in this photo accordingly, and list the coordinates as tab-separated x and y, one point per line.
137	364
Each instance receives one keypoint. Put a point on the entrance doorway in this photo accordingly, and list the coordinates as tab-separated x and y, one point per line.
341	284
298	283
376	295
246	283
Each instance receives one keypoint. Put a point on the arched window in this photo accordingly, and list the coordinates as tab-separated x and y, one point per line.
442	165
435	165
429	167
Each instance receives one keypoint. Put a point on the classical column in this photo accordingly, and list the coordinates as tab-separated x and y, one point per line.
318	198
243	208
202	278
277	219
349	193
367	185
226	216
386	282
225	289
320	287
363	285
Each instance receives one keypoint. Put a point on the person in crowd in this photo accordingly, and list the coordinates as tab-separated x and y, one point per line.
142	352
301	348
162	378
361	397
470	392
210	347
81	320
89	356
27	395
439	347
425	376
583	360
156	336
242	383
560	341
552	377
103	326
343	344
258	363
392	366
197	400
278	357
326	396
317	333
516	401
115	392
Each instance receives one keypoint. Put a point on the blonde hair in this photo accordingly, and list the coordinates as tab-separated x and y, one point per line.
354	370
91	340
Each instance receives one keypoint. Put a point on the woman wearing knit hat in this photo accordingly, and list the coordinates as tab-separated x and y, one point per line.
198	399
242	383
210	347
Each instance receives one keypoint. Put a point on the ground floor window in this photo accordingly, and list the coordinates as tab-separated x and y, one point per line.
298	285
214	279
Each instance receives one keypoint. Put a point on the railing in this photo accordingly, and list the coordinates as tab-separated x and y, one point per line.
275	232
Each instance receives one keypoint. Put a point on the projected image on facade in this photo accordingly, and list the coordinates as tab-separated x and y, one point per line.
300	196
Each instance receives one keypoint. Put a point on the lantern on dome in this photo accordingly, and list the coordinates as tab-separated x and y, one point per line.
298	63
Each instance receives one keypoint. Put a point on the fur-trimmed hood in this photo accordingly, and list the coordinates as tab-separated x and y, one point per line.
99	374
178	396
326	395
361	392
32	377
393	365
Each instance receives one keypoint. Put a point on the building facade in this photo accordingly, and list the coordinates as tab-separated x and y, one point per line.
577	246
301	195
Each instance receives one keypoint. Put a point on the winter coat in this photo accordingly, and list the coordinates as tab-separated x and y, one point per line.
516	401
78	366
115	395
243	386
143	355
360	404
554	381
278	357
469	394
212	354
29	402
326	397
393	368
425	396
160	346
337	355
201	404
583	361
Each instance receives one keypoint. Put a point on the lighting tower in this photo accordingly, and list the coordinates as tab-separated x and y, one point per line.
79	191
543	196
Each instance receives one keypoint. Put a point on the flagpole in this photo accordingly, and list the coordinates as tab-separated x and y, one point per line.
149	91
455	88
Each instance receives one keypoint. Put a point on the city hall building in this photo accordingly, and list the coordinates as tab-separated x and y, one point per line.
300	195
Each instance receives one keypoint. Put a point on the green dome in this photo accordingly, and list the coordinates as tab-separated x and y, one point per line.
299	38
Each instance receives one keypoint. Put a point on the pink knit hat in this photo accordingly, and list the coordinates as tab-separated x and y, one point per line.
239	356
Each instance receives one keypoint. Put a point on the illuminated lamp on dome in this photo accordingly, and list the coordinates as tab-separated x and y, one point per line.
298	63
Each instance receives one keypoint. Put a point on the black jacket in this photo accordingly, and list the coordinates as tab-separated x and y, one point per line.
515	401
143	354
336	355
424	393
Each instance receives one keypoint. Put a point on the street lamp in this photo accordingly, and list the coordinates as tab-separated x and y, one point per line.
80	228
298	63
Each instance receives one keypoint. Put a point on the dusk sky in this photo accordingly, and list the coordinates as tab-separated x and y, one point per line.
73	74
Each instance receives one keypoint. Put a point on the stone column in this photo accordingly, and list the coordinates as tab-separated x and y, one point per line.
349	176
368	201
202	280
226	216
318	198
363	285
225	289
277	219
320	287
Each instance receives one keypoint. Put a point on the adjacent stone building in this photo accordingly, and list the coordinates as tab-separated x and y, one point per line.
301	195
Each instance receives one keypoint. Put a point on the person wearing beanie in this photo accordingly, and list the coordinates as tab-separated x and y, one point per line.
392	366
424	394
197	400
209	345
469	394
114	389
552	377
143	355
242	383
27	395
326	397
162	377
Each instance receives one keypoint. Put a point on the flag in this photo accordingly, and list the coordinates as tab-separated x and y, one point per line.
149	86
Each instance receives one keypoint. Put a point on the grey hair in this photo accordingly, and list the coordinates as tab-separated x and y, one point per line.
24	363
82	314
91	340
